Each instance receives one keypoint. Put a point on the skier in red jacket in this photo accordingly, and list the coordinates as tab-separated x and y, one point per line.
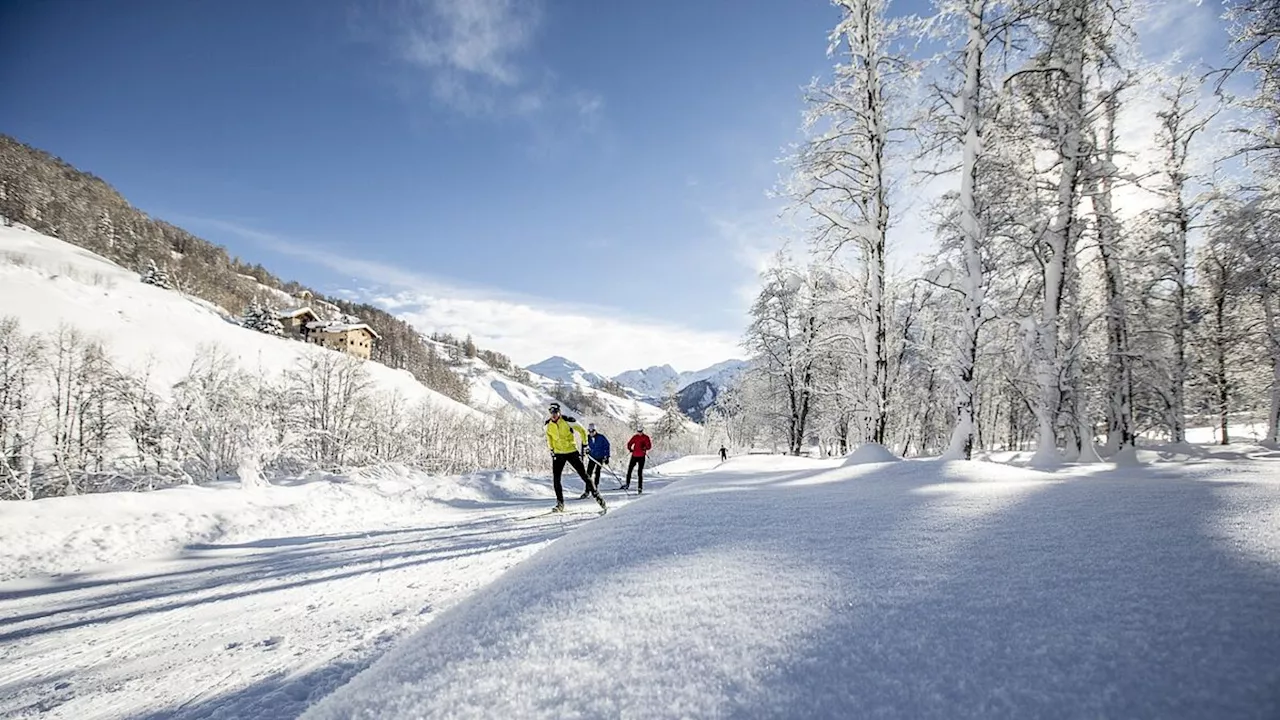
639	445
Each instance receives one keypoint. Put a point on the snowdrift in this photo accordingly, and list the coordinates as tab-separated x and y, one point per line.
870	453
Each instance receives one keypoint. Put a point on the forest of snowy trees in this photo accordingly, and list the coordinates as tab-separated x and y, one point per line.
1097	275
74	420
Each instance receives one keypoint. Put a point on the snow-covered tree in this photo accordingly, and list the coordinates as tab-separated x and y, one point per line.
965	101
673	420
842	175
787	326
1255	30
1059	89
20	358
332	394
154	275
1181	120
1100	181
258	316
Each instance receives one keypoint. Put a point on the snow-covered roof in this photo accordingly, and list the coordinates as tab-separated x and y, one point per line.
343	327
297	312
325	326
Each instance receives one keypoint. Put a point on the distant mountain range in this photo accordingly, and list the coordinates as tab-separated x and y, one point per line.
657	381
695	391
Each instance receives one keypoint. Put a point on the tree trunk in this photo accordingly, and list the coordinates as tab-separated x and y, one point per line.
1220	361
962	436
1058	241
1269	297
1121	436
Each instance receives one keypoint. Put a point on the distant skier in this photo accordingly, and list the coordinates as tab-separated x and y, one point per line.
560	432
597	453
724	454
639	445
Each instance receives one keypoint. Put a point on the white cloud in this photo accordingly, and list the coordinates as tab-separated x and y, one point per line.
598	338
529	329
470	51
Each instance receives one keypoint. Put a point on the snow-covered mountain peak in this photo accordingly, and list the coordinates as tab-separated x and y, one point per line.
659	380
652	381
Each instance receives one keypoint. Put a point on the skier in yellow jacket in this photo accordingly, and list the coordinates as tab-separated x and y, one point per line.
560	432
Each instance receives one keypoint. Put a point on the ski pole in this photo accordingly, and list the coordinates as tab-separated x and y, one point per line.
614	474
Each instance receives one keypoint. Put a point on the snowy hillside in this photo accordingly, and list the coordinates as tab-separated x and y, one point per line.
46	283
493	391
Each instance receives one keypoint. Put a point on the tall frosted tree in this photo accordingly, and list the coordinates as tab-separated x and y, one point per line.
960	118
841	173
1077	45
1121	430
1181	120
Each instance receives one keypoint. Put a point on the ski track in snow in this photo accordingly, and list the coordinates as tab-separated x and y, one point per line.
256	629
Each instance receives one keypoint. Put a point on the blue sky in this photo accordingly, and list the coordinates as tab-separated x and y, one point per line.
573	177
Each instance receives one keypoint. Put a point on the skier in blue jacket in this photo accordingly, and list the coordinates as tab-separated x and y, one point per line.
597	453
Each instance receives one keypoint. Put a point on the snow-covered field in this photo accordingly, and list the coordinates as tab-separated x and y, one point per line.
222	602
760	587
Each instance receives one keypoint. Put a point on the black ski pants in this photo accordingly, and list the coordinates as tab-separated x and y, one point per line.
593	469
636	463
574	460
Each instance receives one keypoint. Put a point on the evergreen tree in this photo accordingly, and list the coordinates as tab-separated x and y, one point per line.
154	275
672	422
261	318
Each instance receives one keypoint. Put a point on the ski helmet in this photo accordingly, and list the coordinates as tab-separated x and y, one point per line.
555	408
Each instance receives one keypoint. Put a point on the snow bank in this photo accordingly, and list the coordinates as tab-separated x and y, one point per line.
64	535
870	453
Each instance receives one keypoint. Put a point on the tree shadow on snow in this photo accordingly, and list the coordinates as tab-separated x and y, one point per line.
1101	596
1035	594
264	567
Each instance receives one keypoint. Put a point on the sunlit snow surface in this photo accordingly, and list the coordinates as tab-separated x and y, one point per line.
764	586
911	589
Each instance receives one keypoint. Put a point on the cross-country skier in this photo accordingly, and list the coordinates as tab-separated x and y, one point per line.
639	445
560	432
597	454
724	454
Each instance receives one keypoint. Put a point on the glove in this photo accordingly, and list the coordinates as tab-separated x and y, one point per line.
606	459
